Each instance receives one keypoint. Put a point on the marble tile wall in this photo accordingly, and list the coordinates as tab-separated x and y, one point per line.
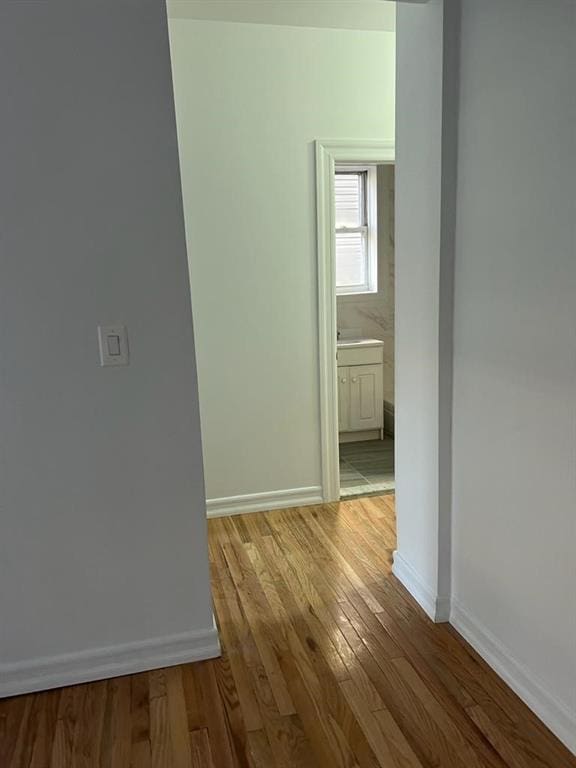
373	314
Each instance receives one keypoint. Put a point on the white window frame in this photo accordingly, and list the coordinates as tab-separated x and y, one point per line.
370	204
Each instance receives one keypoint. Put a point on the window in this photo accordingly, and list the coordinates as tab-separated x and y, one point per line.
356	233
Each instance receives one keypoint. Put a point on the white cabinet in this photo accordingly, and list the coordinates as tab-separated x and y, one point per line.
360	388
366	397
343	399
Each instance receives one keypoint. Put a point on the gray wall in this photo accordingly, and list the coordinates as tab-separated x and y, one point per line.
514	571
103	538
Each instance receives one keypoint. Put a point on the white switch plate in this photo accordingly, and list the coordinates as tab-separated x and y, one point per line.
113	342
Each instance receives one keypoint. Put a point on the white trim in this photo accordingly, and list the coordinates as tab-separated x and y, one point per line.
554	713
359	436
328	153
437	608
258	502
101	663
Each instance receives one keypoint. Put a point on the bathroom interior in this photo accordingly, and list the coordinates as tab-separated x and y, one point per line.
364	207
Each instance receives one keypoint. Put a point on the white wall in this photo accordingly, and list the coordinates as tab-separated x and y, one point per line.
250	101
342	14
514	569
103	540
423	321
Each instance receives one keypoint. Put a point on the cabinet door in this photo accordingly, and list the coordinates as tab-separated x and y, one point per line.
366	397
343	399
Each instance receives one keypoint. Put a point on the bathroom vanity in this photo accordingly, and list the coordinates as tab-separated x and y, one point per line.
360	389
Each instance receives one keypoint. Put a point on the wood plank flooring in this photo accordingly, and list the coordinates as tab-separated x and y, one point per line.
327	663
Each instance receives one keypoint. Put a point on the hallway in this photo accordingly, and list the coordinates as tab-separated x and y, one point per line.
327	663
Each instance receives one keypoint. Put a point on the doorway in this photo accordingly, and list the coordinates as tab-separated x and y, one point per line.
355	194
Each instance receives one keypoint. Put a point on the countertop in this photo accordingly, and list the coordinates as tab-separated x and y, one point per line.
347	343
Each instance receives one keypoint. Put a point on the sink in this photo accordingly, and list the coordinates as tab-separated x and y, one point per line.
343	343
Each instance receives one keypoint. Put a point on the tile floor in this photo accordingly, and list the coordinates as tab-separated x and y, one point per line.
366	468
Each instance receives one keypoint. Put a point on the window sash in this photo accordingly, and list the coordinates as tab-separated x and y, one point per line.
368	230
351	230
352	250
362	176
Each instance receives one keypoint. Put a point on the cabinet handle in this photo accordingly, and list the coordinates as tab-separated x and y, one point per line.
343	381
354	380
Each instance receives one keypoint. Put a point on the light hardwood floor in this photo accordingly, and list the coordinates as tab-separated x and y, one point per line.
327	663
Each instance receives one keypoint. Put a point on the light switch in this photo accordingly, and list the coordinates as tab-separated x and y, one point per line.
113	342
113	345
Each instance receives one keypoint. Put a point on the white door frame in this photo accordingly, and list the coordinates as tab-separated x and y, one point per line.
328	154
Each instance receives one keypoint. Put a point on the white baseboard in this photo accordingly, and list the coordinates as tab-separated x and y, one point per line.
257	502
101	663
553	713
437	608
359	437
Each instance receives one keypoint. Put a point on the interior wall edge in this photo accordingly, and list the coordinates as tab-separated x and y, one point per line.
555	714
436	606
